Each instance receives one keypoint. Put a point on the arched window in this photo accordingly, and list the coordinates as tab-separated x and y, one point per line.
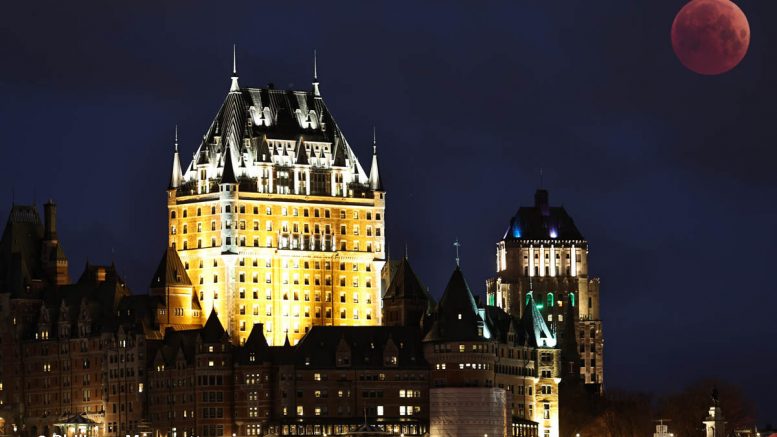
549	299
572	299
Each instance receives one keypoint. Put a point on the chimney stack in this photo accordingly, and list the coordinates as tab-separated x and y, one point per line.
50	221
541	201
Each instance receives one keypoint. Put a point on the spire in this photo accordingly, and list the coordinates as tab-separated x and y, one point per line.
228	175
375	182
234	87
316	91
175	179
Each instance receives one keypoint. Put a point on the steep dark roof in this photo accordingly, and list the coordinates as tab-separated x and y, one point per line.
249	116
228	176
170	272
213	331
405	284
542	222
457	317
302	155
255	344
93	296
366	343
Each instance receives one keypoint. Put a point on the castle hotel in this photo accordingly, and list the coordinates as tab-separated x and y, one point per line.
274	311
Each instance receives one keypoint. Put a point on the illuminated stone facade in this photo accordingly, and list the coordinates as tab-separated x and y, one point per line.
468	412
275	220
469	345
544	255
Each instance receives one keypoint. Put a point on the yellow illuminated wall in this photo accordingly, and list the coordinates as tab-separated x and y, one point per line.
298	260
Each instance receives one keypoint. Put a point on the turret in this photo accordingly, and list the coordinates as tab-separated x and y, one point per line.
228	195
50	221
52	256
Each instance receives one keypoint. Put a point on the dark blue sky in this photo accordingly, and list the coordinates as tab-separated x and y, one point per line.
670	175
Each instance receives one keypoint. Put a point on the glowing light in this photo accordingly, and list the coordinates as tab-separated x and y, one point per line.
516	231
553	233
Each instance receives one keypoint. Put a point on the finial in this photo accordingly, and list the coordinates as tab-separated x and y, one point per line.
457	245
315	66
176	138
405	250
374	141
316	90
234	88
234	59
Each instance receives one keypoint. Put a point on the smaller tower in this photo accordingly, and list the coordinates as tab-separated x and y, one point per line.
228	196
406	300
172	285
52	256
714	423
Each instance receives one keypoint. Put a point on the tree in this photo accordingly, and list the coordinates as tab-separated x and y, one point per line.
688	408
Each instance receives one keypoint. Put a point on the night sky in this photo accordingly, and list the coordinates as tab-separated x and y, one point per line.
669	174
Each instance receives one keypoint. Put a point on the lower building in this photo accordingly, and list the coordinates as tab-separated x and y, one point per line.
91	358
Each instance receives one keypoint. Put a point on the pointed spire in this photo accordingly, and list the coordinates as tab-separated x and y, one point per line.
316	90
228	175
375	182
175	178
234	87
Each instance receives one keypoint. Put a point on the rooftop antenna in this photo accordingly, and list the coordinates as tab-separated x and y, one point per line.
457	245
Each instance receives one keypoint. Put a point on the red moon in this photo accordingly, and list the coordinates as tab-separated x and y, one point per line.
710	36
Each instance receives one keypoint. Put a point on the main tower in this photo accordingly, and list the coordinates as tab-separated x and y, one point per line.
543	255
275	220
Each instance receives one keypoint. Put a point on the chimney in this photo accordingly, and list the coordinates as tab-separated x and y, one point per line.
50	221
541	201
